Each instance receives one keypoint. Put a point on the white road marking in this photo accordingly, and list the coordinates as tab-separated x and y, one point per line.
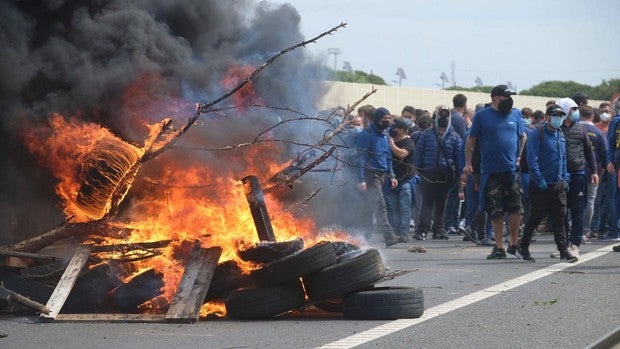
397	325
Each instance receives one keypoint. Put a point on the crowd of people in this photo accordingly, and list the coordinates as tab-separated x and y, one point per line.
496	174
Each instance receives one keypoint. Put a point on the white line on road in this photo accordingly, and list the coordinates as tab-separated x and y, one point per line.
397	325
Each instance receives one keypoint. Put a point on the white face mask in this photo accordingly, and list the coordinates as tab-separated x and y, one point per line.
605	117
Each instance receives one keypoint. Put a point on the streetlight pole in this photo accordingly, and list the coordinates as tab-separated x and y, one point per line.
334	51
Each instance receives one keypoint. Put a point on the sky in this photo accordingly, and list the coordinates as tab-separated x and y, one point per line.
523	42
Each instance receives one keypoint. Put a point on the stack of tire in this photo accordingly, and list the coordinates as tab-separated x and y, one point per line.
335	277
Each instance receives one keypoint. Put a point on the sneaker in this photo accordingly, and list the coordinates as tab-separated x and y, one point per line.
616	248
469	234
497	253
440	236
514	250
391	240
403	238
568	257
585	239
611	237
486	242
525	255
574	250
555	254
451	231
419	237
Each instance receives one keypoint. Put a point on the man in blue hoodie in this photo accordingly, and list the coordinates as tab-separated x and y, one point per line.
546	158
375	166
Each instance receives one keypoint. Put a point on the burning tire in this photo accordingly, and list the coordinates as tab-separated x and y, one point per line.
267	251
345	277
226	278
264	302
384	303
292	267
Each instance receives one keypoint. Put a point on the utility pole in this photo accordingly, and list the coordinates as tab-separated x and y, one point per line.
452	71
334	51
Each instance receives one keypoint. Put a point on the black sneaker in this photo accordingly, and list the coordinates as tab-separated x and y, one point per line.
569	257
616	248
525	255
497	253
419	237
440	236
514	250
469	234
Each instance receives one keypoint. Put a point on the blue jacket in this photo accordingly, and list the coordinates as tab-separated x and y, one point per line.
600	144
428	158
374	152
547	160
613	138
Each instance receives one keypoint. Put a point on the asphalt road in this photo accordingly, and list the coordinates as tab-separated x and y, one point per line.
470	303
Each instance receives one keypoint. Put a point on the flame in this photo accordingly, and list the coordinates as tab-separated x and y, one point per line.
213	309
234	76
174	197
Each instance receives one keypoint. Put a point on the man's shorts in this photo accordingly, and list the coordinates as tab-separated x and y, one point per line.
502	195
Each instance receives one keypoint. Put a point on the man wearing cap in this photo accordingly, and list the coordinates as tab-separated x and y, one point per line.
375	166
499	131
546	157
399	200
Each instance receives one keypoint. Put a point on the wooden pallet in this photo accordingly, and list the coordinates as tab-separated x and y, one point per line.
186	303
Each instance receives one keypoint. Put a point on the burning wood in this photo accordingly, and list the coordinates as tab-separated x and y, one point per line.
254	194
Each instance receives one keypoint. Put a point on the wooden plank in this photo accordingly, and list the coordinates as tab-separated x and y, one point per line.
62	290
111	317
190	295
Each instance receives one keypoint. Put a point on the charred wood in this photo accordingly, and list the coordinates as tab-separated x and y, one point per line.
127	297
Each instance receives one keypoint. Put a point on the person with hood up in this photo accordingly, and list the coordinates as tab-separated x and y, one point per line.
436	160
375	167
580	160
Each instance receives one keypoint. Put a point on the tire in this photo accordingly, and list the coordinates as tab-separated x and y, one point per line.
264	302
384	303
345	277
267	251
292	267
226	278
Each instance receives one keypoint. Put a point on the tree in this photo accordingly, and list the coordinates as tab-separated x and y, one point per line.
358	77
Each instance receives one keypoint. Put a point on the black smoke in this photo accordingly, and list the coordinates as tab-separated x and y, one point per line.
78	57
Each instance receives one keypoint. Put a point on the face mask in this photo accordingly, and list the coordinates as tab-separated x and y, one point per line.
442	121
575	116
605	117
384	124
556	121
527	122
356	129
505	106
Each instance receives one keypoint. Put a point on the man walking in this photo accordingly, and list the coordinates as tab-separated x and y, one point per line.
375	166
501	138
546	157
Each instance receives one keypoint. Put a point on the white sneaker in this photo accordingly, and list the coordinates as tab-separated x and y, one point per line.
555	254
574	250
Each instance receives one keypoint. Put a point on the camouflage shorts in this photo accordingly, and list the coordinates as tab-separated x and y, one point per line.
503	194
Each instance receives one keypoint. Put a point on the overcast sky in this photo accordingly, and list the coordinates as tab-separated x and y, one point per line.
525	42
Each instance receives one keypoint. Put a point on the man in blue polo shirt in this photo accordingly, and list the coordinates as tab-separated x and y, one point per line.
501	137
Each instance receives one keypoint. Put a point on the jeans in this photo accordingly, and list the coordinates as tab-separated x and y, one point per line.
398	203
577	205
374	197
605	192
417	199
589	210
453	207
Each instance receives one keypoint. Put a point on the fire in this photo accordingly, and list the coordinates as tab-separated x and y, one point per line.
213	308
174	197
235	75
